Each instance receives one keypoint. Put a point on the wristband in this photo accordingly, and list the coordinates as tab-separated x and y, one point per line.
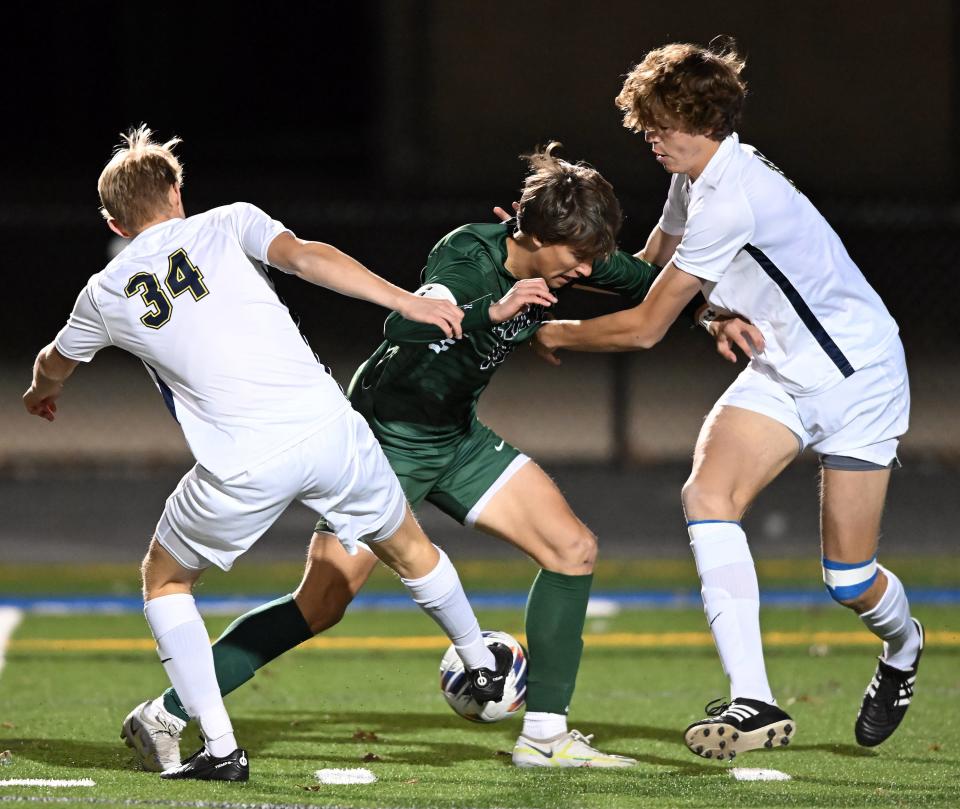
707	316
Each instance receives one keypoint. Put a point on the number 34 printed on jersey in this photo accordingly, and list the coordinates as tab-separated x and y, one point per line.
182	275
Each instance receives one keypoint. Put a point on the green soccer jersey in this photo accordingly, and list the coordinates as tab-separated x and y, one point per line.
419	377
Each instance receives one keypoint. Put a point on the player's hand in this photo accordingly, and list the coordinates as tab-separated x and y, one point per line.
730	332
543	346
503	215
436	311
45	408
522	294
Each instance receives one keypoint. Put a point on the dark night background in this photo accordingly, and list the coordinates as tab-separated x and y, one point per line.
379	126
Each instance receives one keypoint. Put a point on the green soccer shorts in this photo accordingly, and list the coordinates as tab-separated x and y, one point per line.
458	477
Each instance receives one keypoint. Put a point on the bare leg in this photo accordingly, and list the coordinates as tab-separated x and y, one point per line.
434	585
738	453
530	513
851	507
184	646
331	579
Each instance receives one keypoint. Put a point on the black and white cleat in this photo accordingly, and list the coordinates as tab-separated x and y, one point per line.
733	728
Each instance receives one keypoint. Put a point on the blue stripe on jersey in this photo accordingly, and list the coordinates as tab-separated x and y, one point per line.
800	306
165	392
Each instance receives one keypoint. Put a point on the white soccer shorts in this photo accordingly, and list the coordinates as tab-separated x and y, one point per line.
339	472
861	417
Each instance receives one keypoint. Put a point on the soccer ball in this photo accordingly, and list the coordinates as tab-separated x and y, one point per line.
456	687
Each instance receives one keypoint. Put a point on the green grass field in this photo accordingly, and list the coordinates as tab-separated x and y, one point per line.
645	675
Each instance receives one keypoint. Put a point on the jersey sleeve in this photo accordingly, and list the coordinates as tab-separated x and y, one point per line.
716	230
255	230
674	216
624	274
85	333
457	278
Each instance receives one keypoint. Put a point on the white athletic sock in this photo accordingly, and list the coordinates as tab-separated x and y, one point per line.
186	655
441	596
731	602
542	725
890	620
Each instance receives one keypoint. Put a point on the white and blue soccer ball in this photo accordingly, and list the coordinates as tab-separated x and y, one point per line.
456	686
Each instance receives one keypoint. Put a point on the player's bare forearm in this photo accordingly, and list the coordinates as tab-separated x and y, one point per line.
50	370
326	266
641	327
620	331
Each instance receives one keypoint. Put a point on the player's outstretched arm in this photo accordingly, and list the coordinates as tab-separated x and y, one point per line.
326	266
643	326
50	370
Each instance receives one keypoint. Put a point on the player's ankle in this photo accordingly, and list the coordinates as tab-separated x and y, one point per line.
543	725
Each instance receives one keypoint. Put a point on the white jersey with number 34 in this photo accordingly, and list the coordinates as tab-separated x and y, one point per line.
190	298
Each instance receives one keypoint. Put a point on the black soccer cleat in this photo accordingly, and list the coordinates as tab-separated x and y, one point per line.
732	728
486	685
202	766
886	699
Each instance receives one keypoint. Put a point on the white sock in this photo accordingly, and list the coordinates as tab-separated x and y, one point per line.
441	596
890	620
184	648
731	602
542	725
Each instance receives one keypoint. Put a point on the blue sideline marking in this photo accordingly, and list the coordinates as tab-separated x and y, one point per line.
647	599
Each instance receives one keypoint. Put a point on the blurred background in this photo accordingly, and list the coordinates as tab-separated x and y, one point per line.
379	127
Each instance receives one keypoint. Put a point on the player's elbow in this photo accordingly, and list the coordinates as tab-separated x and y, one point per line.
646	337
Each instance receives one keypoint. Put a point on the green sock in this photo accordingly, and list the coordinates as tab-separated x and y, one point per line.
556	608
252	641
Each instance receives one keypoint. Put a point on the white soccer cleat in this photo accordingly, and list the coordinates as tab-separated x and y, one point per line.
154	734
566	750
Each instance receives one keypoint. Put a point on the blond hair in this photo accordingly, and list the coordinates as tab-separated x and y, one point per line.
135	183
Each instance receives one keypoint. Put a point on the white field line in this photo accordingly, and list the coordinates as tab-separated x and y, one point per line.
753	774
10	618
47	782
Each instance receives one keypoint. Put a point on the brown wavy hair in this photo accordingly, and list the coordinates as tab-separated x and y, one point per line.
696	89
133	186
569	203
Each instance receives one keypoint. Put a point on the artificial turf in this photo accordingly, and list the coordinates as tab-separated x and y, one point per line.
61	707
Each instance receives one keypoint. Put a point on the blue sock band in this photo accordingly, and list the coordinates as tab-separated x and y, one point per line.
846	581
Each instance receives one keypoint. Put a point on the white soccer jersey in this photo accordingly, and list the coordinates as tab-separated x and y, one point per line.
763	251
189	298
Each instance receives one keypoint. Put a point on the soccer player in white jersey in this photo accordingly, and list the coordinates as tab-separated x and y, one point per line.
827	371
266	422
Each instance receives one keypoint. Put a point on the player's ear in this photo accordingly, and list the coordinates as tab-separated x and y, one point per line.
115	227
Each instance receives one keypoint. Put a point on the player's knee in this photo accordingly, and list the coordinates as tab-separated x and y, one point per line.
575	555
703	501
322	613
851	583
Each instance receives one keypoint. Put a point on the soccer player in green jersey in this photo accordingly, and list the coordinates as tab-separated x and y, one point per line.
419	393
